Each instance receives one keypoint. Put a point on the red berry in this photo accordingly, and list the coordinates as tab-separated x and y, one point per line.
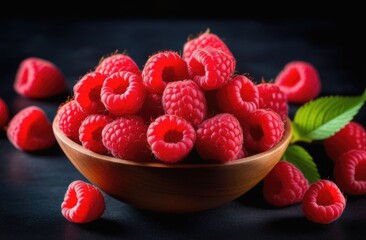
30	130
350	172
90	132
38	78
4	114
242	153
351	136
70	118
152	107
210	68
185	99
125	138
171	138
123	93
117	63
323	202
284	185
162	68
82	203
299	81
239	97
262	130
219	138
87	93
271	97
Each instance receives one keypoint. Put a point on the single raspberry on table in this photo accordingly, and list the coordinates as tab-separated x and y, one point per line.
90	132
351	136
152	107
87	93
126	138
185	99
323	202
162	68
271	97
4	114
117	63
39	78
284	185
82	202
299	81
239	97
210	68
219	138
350	172
123	93
70	117
30	130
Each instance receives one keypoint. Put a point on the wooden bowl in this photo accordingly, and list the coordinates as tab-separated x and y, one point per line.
172	187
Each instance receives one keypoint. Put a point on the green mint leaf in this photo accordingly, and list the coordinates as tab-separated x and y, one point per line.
302	160
321	118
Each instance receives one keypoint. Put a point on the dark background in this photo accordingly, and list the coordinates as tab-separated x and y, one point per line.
263	40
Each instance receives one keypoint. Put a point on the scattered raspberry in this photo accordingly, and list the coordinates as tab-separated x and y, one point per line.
239	97
323	202
125	138
219	138
262	129
70	118
351	136
271	97
284	185
123	93
350	172
185	99
152	107
90	132
87	93
82	203
30	130
117	63
38	78
299	81
4	114
210	68
162	68
171	138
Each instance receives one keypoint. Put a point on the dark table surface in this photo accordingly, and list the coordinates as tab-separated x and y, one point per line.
32	185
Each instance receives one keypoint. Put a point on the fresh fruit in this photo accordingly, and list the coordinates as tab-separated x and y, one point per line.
299	81
4	114
117	63
323	202
284	185
82	203
152	107
39	78
30	130
271	97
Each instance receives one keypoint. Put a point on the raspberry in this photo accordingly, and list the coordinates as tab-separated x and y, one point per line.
262	130
242	153
239	97
4	114
271	97
351	136
162	68
117	63
323	202
284	185
299	81
38	78
152	107
87	93
70	118
350	172
210	68
219	138
90	132
206	39
82	203
185	99
171	138
123	93
30	130
125	138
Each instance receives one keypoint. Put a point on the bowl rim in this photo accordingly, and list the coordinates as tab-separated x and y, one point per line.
77	147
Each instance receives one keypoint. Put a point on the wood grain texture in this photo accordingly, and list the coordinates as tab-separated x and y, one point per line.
172	187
